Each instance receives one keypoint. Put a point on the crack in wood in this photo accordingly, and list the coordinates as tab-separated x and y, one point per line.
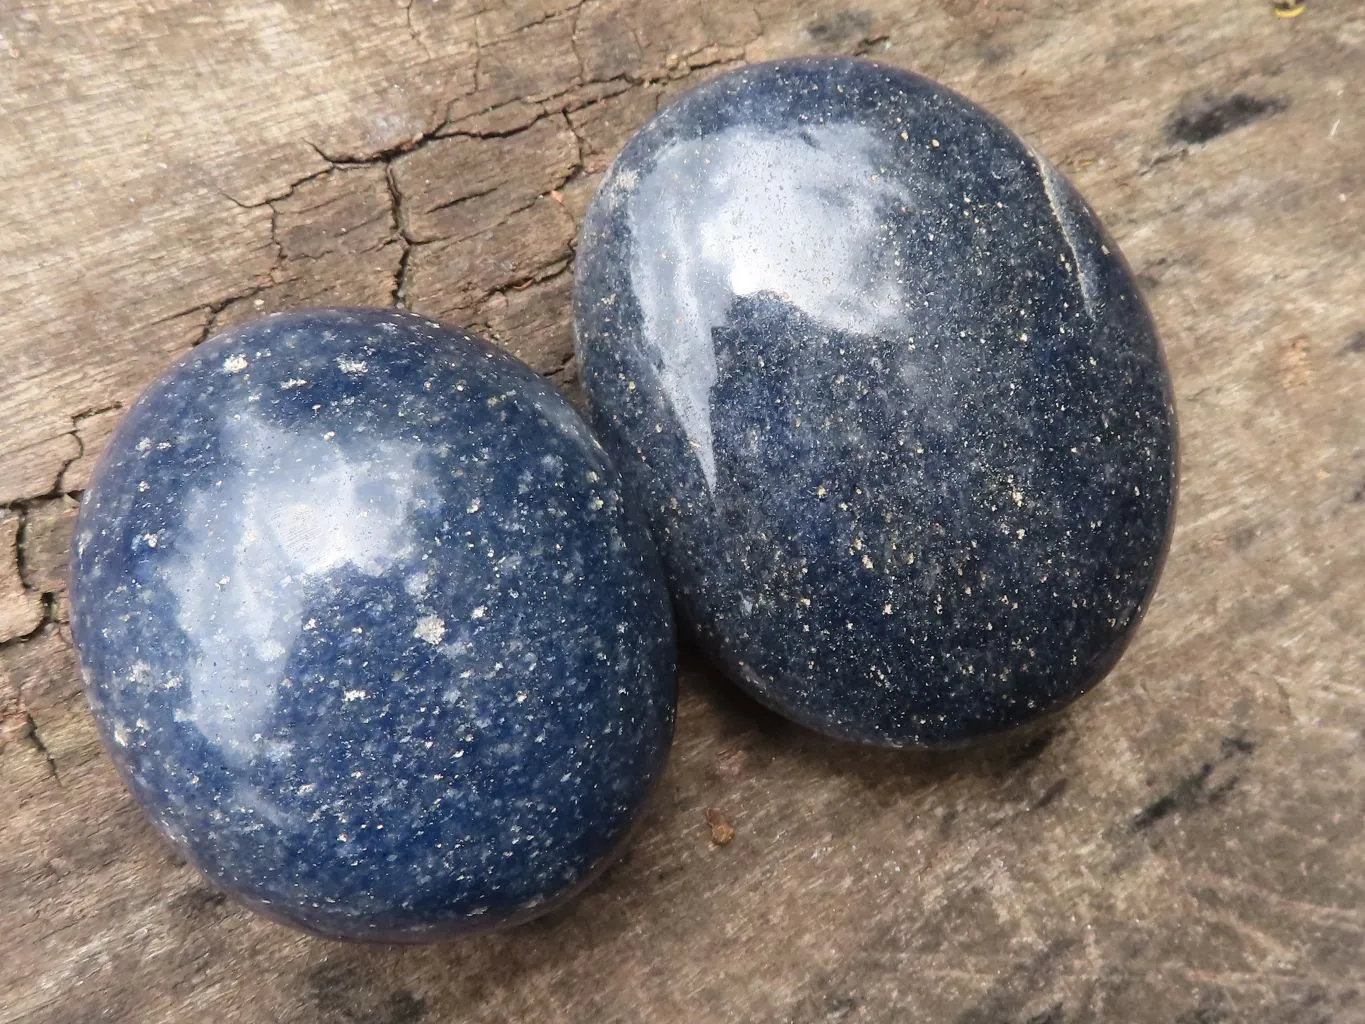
412	28
35	739
399	294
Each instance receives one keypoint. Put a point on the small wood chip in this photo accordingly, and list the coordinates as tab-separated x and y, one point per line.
730	762
721	830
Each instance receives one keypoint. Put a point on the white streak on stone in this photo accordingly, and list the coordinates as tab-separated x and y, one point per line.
742	223
262	527
1055	188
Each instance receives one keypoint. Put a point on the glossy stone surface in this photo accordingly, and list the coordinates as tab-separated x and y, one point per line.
887	394
367	628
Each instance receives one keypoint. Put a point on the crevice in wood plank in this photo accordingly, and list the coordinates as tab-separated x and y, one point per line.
478	65
573	43
288	191
412	29
31	734
537	276
451	131
399	296
378	157
76	420
58	490
866	45
28	729
462	199
215	308
32	634
20	544
572	9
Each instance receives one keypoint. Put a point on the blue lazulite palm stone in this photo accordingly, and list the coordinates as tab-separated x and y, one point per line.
367	628
887	394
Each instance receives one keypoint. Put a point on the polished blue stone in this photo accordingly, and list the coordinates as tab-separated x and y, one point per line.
368	629
887	394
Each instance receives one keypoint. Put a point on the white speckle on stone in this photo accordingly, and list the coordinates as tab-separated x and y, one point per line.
474	506
480	612
235	363
293	382
349	365
431	628
350	695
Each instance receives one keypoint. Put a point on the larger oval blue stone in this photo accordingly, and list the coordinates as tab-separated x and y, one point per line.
367	628
887	394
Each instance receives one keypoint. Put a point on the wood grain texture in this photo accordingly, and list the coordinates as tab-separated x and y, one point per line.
1186	845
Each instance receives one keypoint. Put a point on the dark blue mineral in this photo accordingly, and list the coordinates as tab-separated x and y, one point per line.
367	628
887	394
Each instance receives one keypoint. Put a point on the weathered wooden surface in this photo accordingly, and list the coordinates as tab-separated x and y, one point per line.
1186	845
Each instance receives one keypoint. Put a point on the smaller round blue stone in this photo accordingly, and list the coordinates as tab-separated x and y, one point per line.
368	630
